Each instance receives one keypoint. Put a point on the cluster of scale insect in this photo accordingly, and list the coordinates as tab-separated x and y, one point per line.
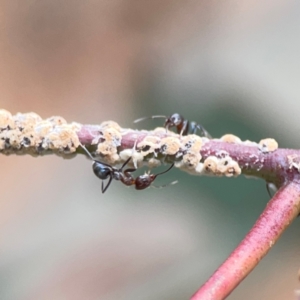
29	133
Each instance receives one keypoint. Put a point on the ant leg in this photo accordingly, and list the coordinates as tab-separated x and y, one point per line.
87	152
92	158
128	171
185	128
135	158
127	178
108	184
125	163
167	127
202	130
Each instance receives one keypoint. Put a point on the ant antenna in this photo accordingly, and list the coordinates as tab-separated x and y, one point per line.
152	117
103	189
162	186
172	165
171	183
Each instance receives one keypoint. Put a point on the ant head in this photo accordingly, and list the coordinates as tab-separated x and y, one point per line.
174	120
143	181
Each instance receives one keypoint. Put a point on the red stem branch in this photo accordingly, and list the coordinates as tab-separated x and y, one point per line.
279	213
228	156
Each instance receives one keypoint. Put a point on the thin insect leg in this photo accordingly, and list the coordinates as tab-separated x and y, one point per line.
108	184
195	127
184	128
127	171
203	131
92	158
125	163
88	152
167	128
127	178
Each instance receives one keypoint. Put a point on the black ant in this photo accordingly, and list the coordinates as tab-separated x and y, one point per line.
104	171
183	126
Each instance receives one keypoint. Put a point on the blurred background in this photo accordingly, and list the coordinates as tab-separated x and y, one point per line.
232	66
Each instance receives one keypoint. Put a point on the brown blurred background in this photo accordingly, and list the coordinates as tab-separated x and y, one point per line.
233	66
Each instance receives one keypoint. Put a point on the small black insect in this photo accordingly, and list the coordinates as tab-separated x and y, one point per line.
183	126
106	171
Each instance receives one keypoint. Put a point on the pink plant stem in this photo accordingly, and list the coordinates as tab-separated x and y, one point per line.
279	213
